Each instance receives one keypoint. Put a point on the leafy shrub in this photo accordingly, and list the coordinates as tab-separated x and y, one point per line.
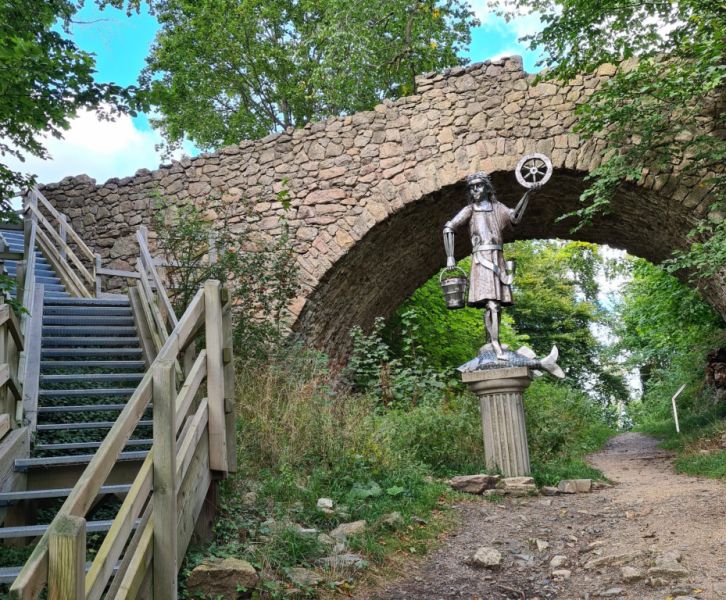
562	421
446	438
399	381
200	243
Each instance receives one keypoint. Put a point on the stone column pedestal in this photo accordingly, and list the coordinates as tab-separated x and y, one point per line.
502	416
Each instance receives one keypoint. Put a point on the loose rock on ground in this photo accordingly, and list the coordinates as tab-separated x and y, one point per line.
652	535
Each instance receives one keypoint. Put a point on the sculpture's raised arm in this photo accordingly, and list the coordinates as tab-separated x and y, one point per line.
521	207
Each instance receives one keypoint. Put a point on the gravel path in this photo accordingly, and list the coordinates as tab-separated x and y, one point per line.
651	519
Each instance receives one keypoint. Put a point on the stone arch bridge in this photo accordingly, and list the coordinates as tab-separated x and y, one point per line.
369	193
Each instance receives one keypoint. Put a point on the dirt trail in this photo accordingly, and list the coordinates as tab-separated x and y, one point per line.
650	517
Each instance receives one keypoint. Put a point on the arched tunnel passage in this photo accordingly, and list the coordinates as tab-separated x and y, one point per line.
403	251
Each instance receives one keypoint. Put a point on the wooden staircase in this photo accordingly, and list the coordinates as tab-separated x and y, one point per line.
91	422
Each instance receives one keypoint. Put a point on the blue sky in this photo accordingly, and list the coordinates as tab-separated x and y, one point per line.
121	43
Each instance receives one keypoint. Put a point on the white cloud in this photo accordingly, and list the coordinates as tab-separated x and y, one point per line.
99	149
521	25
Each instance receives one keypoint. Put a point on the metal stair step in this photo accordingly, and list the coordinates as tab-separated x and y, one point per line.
89	341
54	410
66	352
88	320
87	311
69	446
90	331
11	497
86	393
9	574
86	377
40	271
47	279
90	302
30	531
80	426
112	365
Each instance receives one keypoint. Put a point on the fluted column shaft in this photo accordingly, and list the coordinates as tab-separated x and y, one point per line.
502	413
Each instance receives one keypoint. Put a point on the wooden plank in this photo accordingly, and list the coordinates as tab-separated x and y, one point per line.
140	561
63	232
118	273
4	374
71	232
146	256
193	493
9	318
230	417
5	425
215	376
66	558
183	334
64	250
165	506
67	276
31	370
161	327
14	445
147	341
123	526
191	440
33	575
130	553
144	303
192	319
188	391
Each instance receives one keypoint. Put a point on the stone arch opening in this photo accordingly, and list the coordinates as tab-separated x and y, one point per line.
396	256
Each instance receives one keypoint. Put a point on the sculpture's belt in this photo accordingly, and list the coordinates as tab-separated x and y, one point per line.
503	276
479	247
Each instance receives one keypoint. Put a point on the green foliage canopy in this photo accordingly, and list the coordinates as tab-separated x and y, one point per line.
45	79
661	320
665	108
225	70
555	293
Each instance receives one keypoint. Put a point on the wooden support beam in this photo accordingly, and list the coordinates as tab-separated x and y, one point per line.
230	417
215	376
67	558
165	506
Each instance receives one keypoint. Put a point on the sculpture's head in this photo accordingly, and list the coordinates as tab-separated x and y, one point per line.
480	187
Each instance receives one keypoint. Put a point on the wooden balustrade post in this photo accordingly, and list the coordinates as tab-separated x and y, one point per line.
31	201
20	273
96	273
63	233
213	256
67	559
165	506
229	382
215	376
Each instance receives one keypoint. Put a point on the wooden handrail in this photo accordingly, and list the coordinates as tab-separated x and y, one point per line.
64	250
150	267
34	574
69	230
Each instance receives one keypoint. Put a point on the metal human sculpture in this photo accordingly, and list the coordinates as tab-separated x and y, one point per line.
490	284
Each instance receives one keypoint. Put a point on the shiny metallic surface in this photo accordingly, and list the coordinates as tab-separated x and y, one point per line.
490	279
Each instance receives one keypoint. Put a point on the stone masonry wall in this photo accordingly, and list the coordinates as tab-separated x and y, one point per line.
370	192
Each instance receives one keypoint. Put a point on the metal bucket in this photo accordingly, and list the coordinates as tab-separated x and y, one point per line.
454	289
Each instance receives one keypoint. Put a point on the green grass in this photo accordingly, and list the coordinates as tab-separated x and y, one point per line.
300	439
550	473
699	448
712	465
